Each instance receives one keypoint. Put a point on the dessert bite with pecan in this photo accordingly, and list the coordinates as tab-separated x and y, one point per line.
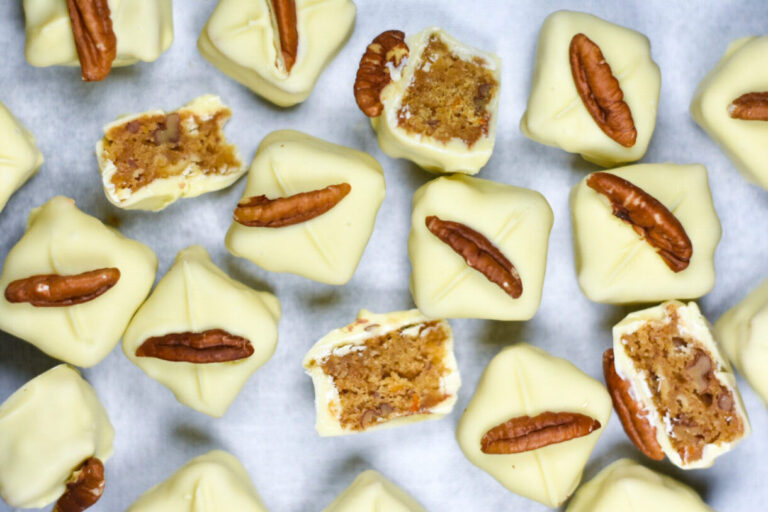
371	491
431	99
19	156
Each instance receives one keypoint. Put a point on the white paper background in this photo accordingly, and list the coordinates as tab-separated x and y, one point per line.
270	427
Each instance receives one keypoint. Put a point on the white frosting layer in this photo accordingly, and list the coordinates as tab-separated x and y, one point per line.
371	492
19	156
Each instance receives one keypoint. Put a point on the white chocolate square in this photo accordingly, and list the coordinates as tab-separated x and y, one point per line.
371	491
741	70
556	115
242	41
48	428
516	221
143	28
523	380
328	247
60	239
616	265
196	296
214	482
19	156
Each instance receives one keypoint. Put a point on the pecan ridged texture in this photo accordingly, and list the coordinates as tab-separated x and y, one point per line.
211	346
527	433
54	290
84	488
388	48
287	30
95	40
479	253
260	211
648	217
634	418
600	91
752	106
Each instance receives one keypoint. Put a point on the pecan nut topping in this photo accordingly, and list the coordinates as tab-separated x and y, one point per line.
752	106
388	49
479	253
211	346
94	38
648	217
526	433
260	211
84	488
287	30
53	290
600	91
634	418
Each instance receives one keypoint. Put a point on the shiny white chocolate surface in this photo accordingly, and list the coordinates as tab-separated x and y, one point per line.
195	296
242	41
328	247
60	239
515	220
48	428
523	380
19	157
371	492
616	265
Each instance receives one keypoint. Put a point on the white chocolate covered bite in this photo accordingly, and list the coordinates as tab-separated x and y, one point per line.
73	276
626	485
202	334
151	159
645	233
594	91
533	422
431	99
214	482
309	207
382	371
478	249
371	491
49	428
19	156
731	105
276	48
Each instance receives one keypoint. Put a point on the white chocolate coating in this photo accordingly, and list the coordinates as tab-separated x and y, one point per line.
431	154
143	28
743	333
195	296
516	220
214	482
523	380
241	40
326	248
556	115
158	194
48	428
371	492
19	156
616	265
60	239
741	70
625	485
692	322
345	339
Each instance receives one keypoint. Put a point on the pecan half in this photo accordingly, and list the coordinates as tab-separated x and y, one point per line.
600	91
211	346
389	48
479	253
53	290
84	488
752	106
648	217
285	19
260	211
94	38
633	416
530	433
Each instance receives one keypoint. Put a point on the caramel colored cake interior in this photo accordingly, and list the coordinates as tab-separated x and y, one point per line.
448	96
159	146
396	374
697	409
